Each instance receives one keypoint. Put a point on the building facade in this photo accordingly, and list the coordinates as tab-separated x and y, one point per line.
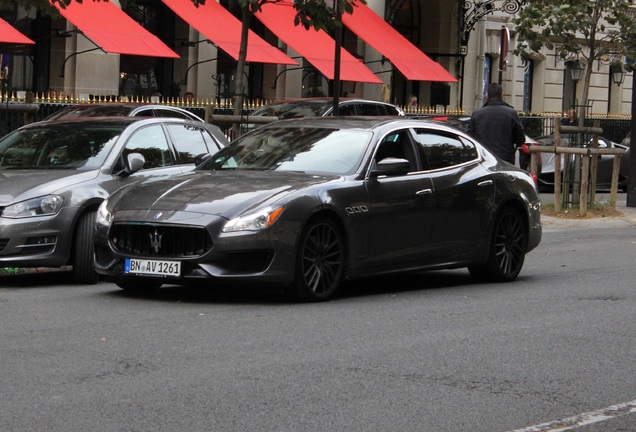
465	38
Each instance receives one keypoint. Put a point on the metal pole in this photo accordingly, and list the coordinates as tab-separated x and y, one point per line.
631	186
336	65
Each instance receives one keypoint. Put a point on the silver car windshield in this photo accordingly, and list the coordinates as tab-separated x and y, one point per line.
312	150
58	147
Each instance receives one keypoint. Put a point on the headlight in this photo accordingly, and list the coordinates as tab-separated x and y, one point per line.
255	221
104	217
43	206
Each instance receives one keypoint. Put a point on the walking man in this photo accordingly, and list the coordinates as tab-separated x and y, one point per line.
497	126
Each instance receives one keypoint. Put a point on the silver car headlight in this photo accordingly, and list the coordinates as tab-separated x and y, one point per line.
42	206
255	221
104	216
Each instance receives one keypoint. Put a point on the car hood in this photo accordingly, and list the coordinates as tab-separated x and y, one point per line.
18	185
221	193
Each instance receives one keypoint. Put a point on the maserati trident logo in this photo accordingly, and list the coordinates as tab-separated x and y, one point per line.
155	240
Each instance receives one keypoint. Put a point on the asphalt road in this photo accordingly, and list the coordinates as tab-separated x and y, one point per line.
430	352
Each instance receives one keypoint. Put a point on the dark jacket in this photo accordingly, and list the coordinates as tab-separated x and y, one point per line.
497	126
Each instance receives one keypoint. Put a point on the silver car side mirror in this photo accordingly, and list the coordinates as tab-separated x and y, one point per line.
134	162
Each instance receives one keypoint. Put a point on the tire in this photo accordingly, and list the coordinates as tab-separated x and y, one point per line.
507	249
137	285
83	271
320	261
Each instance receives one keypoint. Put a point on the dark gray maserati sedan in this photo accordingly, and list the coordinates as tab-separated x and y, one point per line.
304	204
54	175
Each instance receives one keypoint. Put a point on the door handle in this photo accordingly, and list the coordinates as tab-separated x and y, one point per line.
424	192
485	183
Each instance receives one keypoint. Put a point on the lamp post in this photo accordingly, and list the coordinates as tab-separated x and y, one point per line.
618	74
631	176
576	73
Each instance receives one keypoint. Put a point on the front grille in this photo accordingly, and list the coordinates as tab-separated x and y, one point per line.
167	241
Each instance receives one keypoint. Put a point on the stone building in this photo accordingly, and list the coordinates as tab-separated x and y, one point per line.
462	37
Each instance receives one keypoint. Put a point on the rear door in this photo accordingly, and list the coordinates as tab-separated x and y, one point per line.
464	193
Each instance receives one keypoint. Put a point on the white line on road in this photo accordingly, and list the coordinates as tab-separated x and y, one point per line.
584	419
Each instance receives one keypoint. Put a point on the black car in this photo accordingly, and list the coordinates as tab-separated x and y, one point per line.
54	175
121	109
304	204
323	107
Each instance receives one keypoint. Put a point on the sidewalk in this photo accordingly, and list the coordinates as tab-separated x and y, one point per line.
628	218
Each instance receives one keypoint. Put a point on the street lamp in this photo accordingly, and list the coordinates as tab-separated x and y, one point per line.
576	71
618	74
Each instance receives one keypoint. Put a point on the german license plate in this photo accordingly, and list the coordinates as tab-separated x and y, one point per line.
152	267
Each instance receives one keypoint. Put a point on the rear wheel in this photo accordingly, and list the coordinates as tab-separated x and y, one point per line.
83	272
507	249
319	261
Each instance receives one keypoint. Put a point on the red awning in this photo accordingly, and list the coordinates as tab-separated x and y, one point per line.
316	46
10	35
406	57
224	30
112	30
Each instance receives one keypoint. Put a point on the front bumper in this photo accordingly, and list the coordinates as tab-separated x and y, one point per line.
37	242
266	256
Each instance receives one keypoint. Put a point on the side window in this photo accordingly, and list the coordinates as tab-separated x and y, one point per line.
189	141
160	112
146	112
396	145
368	110
444	150
346	110
152	144
391	110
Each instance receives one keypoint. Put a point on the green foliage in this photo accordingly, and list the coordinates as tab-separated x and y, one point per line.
600	29
590	30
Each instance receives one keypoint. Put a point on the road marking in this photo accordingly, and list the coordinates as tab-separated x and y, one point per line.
584	419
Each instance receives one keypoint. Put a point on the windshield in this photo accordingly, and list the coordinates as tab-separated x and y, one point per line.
58	146
313	150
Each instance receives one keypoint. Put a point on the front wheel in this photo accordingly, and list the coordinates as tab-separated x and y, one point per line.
320	261
83	271
507	249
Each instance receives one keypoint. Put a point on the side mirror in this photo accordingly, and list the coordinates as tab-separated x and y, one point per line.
391	167
200	158
134	162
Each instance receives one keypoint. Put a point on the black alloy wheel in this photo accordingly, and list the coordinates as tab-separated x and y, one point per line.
507	249
319	261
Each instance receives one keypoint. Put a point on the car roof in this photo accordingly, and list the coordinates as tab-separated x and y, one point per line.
324	100
117	109
105	120
358	122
